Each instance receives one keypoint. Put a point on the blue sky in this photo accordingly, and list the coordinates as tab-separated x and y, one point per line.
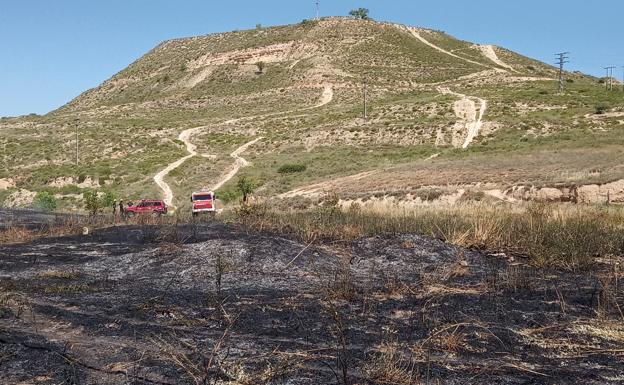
52	50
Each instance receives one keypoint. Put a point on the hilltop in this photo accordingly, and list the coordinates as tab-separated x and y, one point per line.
442	112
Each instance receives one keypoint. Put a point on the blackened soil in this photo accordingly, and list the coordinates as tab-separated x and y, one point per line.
212	303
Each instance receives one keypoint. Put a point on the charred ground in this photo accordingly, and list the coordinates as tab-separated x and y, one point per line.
178	304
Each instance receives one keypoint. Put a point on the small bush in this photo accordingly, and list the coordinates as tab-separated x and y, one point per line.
292	168
601	109
360	13
429	194
227	196
91	201
95	202
45	201
245	187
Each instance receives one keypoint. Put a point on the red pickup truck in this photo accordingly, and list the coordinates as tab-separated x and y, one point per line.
146	206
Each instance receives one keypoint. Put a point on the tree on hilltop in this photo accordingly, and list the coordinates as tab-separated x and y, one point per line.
360	13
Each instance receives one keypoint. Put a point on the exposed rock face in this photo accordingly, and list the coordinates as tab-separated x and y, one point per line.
67	181
21	198
6	183
610	192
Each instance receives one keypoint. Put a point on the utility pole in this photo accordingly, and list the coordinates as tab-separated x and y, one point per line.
365	100
562	58
77	124
622	78
609	82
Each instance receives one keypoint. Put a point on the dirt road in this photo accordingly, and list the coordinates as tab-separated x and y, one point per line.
321	188
239	162
185	136
489	52
465	109
417	35
160	177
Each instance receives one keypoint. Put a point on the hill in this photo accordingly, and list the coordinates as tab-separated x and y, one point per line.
195	112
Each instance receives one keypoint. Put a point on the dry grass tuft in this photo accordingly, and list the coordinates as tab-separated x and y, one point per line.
57	275
391	367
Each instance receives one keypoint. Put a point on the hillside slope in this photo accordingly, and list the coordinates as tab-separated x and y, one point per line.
181	112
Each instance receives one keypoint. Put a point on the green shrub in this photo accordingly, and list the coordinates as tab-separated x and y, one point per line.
429	194
227	196
245	186
360	13
45	201
601	109
91	201
292	168
95	202
108	199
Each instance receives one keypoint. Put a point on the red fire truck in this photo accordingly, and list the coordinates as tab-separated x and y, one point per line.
203	202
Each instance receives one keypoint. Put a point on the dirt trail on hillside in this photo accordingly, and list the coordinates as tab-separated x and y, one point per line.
160	177
326	97
185	136
489	52
465	109
321	188
239	162
417	35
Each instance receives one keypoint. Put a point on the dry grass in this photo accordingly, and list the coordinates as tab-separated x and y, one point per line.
57	275
391	367
557	235
72	225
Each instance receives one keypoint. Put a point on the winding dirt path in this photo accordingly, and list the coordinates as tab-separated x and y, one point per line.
319	189
489	52
465	109
160	177
239	162
418	36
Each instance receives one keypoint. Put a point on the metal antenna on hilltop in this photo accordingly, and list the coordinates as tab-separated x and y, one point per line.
317	9
562	58
609	82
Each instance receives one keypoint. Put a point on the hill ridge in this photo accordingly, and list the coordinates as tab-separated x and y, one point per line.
493	102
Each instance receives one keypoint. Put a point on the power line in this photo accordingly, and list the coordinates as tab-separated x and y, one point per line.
365	100
609	80
77	123
562	58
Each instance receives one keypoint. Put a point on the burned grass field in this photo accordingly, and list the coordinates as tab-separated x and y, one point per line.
215	303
